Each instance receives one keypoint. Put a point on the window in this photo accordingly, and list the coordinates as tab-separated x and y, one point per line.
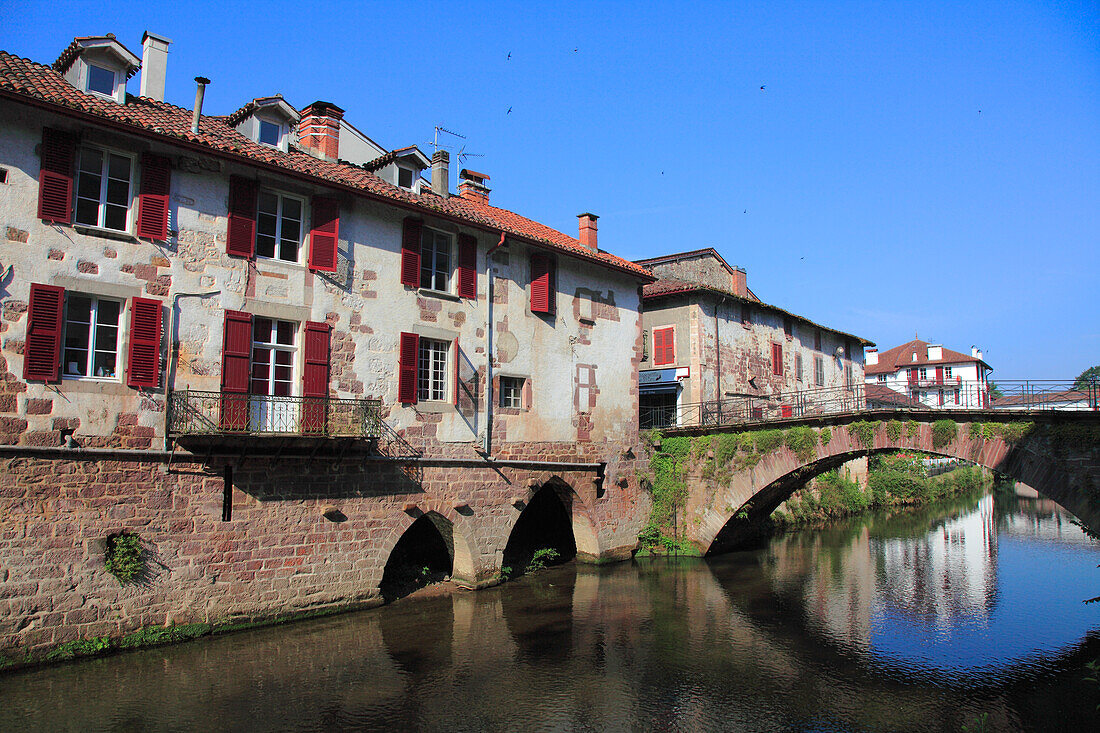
882	377
278	226
798	366
664	346
271	133
101	80
947	372
432	371
923	373
848	375
819	371
511	392
817	340
746	314
91	337
103	189
405	177
956	397
777	359
274	351
435	260
543	284
788	327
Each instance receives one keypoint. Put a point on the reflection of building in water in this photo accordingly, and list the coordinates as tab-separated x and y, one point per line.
1032	515
944	574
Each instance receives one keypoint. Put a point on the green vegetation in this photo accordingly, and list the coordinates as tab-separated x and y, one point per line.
943	432
893	430
542	558
832	496
912	429
802	441
156	635
79	648
1009	432
864	432
826	435
124	556
1087	377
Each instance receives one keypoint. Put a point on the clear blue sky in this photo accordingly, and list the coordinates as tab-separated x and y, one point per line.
908	167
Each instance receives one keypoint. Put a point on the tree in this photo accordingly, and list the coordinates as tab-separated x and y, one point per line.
995	390
1092	374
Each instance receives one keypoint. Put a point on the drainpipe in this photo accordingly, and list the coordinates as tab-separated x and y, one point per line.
174	351
488	442
202	81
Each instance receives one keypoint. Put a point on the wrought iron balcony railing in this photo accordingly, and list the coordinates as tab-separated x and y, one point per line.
223	413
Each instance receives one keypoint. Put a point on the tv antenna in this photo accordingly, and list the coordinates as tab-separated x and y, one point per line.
463	155
435	142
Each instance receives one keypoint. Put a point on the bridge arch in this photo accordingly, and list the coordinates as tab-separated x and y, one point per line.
425	539
553	515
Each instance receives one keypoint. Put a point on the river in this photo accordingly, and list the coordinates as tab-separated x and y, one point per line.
942	619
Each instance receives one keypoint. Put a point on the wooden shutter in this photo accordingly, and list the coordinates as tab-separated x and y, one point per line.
467	266
240	239
236	361
664	346
410	252
152	219
55	177
542	284
143	364
315	377
324	237
777	359
42	349
407	375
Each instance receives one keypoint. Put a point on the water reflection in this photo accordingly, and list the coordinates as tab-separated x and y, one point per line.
915	622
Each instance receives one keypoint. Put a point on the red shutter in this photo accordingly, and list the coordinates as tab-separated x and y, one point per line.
236	360
407	375
664	346
542	284
315	377
152	220
325	235
42	349
777	359
143	365
467	266
240	239
939	375
55	177
410	253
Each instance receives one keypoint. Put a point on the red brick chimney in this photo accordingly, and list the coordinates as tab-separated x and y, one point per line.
473	186
740	282
319	129
588	230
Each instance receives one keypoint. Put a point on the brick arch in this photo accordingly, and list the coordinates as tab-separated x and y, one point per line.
1071	481
452	528
585	533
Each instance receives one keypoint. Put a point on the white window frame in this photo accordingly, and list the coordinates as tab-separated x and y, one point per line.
274	346
922	373
93	327
433	269
88	66
412	177
432	370
947	372
101	202
267	413
281	197
511	396
280	138
882	377
819	371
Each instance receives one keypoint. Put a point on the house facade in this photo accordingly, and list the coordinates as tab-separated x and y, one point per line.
931	375
713	345
271	362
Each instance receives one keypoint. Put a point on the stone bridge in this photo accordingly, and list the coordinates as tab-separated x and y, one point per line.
1056	453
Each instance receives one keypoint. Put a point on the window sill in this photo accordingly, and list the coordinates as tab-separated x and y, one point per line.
106	233
438	294
434	406
91	385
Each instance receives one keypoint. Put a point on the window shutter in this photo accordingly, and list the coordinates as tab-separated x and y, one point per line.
55	177
240	239
467	266
542	284
152	218
236	360
664	346
315	376
407	369
410	252
143	364
777	359
42	350
324	237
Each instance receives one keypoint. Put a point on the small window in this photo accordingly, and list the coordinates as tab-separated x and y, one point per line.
405	177
798	366
103	189
819	371
432	371
817	340
91	337
882	377
435	260
746	314
270	133
3	175
788	327
947	372
664	346
511	392
278	226
923	373
848	375
777	360
101	80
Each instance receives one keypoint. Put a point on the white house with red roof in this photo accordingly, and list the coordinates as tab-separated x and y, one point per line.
931	375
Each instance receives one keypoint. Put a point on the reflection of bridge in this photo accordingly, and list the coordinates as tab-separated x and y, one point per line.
1055	452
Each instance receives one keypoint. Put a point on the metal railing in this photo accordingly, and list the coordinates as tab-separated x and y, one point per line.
192	412
1045	394
742	409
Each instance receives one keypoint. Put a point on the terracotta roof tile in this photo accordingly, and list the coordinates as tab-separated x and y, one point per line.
883	394
901	357
33	82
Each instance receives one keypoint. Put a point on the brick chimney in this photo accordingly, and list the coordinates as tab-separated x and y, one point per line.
441	173
319	130
473	186
588	230
739	282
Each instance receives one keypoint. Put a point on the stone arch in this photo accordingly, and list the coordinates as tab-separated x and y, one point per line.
451	533
582	527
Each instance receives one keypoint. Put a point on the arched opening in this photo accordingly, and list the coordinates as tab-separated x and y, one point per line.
543	534
423	555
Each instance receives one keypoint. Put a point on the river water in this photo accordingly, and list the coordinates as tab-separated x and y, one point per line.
920	622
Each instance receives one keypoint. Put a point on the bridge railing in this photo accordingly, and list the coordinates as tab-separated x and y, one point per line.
745	408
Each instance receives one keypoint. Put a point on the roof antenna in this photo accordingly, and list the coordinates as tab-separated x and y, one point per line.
463	155
435	142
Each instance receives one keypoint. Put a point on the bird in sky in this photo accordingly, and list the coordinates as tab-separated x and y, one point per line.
762	87
509	56
509	111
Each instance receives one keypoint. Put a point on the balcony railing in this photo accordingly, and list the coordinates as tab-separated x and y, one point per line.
222	413
743	409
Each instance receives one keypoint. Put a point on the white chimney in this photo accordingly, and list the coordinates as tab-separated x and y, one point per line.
871	356
154	65
975	352
935	352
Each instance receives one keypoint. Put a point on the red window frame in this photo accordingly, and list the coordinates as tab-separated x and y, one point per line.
664	346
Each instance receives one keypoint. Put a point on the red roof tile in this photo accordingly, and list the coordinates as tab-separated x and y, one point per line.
884	395
902	357
37	84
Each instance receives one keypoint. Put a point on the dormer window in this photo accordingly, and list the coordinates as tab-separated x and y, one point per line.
270	133
405	177
267	120
101	80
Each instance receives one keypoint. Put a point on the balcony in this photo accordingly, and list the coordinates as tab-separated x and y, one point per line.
193	413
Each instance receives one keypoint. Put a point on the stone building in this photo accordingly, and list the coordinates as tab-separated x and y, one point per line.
272	364
712	347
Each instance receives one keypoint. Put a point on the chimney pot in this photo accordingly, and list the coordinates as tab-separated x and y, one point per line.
319	129
154	65
473	186
441	173
588	230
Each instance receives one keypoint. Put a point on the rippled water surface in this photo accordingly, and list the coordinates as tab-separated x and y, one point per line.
913	623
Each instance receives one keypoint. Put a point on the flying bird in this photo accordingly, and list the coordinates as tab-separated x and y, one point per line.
762	87
509	56
509	111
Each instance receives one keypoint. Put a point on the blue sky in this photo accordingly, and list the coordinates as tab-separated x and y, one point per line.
915	167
